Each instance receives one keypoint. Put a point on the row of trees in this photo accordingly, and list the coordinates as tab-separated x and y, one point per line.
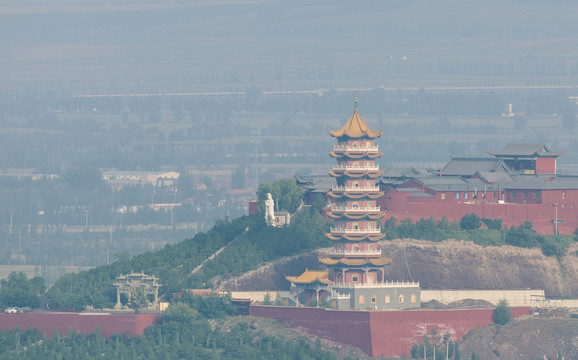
18	290
469	228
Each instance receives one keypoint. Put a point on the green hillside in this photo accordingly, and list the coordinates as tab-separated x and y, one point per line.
246	243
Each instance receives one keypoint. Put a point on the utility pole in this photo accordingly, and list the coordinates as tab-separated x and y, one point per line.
556	218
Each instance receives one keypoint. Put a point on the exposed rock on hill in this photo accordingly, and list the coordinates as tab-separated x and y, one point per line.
524	339
444	265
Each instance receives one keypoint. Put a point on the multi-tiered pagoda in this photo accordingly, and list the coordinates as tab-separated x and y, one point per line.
355	275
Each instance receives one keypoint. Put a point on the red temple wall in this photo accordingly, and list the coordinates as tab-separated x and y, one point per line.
546	166
377	333
401	206
108	324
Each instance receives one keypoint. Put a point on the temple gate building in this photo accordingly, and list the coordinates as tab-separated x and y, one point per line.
355	268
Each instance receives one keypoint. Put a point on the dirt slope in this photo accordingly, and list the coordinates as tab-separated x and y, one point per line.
529	338
446	265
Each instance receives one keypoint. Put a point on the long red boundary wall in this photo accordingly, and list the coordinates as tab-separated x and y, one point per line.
381	333
108	324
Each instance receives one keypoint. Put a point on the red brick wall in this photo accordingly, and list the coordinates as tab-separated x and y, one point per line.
109	324
541	215
546	166
377	333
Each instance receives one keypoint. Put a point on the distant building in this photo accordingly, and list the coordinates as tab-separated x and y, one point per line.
517	184
119	179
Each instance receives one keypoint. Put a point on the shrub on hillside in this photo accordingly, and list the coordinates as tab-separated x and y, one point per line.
502	313
492	224
470	221
522	236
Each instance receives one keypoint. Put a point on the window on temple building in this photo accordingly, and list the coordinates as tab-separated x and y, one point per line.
356	226
355	248
413	298
355	278
513	194
370	247
443	196
401	299
356	184
361	299
373	299
563	194
387	299
457	195
466	195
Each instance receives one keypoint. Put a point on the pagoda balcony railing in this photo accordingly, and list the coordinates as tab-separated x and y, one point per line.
355	231
337	295
335	252
354	148
377	284
355	167
355	209
353	188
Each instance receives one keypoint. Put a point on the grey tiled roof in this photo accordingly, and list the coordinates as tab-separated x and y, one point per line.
495	177
545	182
469	166
400	172
524	150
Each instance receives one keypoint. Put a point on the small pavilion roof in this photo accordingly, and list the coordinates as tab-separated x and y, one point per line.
355	128
315	183
309	277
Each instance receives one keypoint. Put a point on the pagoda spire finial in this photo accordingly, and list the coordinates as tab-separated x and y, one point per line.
355	101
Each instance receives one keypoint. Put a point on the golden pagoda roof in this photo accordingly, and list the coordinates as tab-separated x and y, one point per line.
355	262
309	277
356	195
355	238
352	155
356	216
355	128
354	174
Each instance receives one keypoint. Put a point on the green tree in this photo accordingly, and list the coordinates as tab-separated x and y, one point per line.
470	221
285	192
492	224
138	299
179	312
18	290
502	313
267	299
522	236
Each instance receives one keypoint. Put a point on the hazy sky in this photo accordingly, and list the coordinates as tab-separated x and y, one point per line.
171	45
